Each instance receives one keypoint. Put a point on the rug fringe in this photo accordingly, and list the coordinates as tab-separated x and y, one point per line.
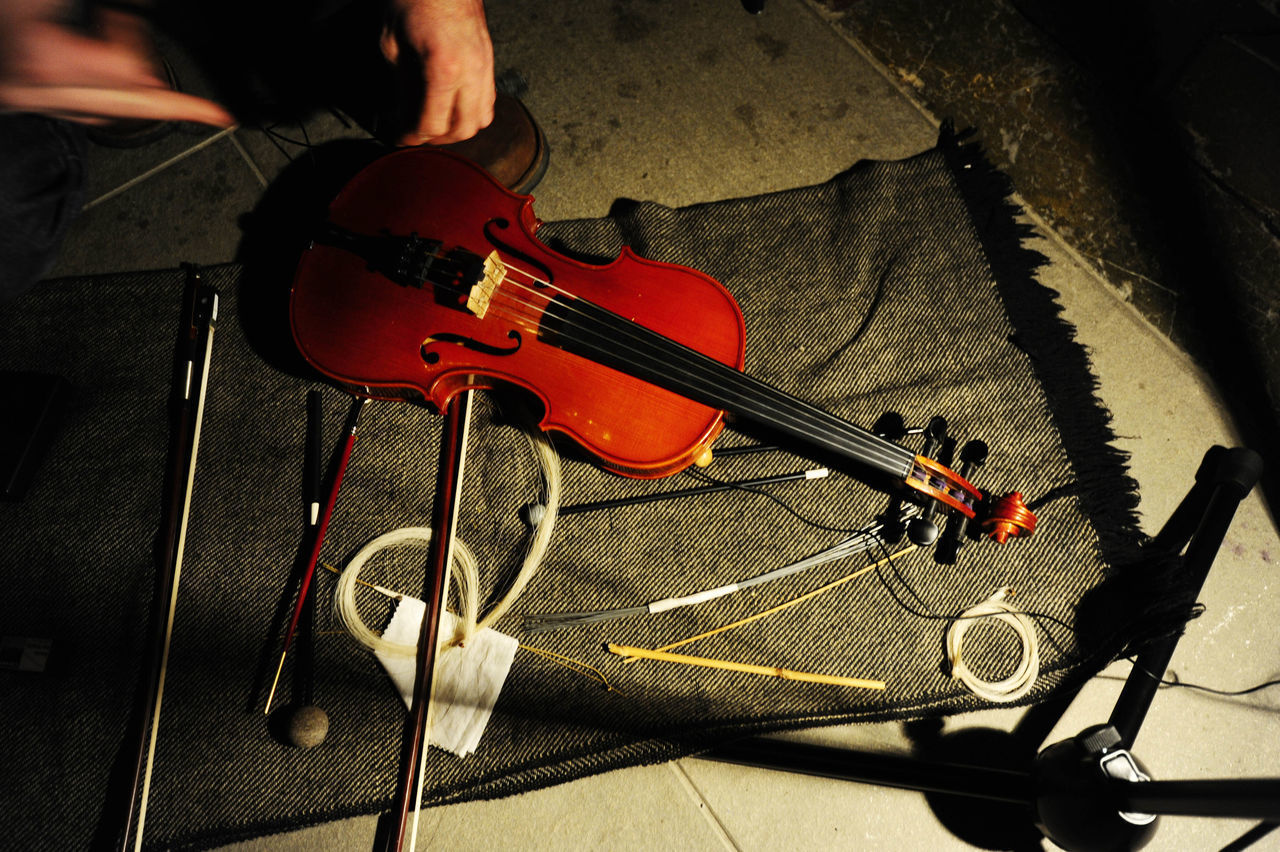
1143	597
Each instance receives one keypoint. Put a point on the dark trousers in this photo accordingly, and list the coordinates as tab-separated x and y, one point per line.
41	191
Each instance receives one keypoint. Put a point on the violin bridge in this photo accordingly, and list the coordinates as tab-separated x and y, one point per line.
482	291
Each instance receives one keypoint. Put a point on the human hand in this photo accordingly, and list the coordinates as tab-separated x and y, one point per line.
447	42
54	70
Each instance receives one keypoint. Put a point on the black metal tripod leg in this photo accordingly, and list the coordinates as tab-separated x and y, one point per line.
1241	798
1224	479
885	770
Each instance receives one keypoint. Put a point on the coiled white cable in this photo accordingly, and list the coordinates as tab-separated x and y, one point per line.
540	542
464	568
1024	677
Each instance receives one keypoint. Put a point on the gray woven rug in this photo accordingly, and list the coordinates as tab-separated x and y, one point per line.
899	286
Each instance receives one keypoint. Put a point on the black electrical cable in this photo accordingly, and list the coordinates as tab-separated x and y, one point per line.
818	525
1164	682
880	543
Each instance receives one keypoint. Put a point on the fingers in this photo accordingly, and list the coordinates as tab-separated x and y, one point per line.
447	43
390	45
452	115
474	109
84	103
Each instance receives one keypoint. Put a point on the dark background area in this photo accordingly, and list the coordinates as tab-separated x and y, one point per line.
1146	133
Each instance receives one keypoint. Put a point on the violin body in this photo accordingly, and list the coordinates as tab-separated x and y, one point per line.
385	336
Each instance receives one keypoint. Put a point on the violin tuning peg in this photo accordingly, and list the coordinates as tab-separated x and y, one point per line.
922	531
890	425
974	453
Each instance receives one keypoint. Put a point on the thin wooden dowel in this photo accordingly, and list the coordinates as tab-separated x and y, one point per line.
745	668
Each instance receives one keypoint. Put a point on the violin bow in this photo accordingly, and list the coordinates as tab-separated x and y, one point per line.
191	378
417	728
319	528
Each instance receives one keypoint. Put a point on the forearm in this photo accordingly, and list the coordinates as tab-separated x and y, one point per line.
55	69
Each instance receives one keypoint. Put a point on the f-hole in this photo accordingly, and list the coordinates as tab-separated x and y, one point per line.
431	356
491	232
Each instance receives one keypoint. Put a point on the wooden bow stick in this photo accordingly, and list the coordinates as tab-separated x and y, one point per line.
191	377
417	729
317	542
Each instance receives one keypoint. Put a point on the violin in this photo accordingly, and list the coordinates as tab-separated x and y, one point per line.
428	279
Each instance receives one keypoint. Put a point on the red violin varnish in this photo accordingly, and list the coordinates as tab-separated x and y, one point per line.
428	279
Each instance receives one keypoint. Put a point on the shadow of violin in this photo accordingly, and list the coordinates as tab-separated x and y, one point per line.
276	233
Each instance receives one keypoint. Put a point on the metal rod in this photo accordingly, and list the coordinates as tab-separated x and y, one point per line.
1227	477
1237	798
887	770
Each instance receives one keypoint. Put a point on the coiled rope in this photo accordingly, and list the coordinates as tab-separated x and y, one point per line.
1024	676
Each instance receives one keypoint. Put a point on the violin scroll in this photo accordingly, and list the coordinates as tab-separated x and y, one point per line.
1008	517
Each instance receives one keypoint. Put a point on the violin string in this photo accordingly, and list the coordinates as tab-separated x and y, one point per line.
718	374
647	396
710	376
860	541
801	419
531	317
857	443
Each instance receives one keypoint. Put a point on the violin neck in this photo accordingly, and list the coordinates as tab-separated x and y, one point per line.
595	333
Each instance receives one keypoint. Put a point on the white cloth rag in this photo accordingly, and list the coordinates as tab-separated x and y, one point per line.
467	679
